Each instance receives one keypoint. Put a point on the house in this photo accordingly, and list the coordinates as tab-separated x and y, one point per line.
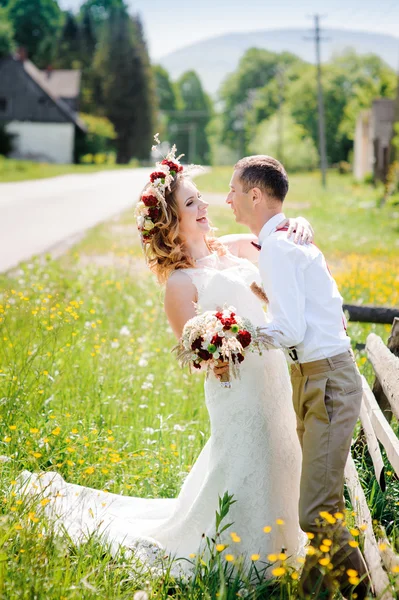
373	134
39	109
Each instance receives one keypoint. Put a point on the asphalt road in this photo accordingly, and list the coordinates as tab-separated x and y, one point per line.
36	216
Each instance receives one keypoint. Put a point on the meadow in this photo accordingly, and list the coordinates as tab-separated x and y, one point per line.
89	388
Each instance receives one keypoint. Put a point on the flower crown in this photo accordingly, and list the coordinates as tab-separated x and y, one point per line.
153	203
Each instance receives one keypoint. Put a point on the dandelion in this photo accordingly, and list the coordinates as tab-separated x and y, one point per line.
279	571
279	522
354	532
267	529
89	470
272	557
353	544
229	557
395	569
236	538
282	556
324	561
294	576
310	550
310	535
324	548
56	431
255	557
382	547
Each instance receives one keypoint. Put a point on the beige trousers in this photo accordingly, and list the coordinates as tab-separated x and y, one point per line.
327	395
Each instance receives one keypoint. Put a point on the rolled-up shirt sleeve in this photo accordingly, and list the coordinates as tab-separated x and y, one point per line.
282	267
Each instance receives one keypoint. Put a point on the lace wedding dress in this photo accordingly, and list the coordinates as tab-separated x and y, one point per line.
253	453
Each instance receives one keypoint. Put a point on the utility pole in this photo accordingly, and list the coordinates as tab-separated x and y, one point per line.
322	131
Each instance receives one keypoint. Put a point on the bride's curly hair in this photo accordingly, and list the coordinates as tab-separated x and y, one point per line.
165	251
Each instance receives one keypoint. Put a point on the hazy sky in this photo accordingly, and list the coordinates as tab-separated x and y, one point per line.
172	24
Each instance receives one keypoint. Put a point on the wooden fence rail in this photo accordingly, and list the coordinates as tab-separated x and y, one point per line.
375	421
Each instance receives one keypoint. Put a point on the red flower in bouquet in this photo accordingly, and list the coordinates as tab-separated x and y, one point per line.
217	341
154	212
172	165
157	175
244	337
150	200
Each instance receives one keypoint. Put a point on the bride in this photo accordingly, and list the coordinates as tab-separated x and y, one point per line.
253	452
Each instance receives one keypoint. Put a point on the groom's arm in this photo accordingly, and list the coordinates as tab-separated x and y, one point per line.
282	266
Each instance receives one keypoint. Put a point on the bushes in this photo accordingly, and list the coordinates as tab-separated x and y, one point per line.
96	146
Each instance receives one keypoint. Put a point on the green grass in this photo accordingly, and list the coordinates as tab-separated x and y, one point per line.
88	388
23	170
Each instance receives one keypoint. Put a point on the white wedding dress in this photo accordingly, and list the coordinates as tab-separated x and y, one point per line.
252	453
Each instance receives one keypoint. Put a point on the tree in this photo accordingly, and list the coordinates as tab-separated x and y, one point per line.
6	35
100	11
69	51
299	150
166	99
350	82
189	128
127	88
36	24
252	93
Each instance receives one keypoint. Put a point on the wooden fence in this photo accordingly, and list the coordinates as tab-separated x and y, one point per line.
379	406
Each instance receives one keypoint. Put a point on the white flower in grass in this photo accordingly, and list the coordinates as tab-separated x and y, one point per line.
114	344
143	362
178	427
124	330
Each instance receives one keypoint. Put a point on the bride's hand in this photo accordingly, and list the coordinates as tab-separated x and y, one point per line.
303	230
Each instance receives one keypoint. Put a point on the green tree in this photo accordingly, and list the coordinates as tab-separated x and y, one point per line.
350	82
36	24
189	129
166	100
299	150
252	93
127	87
69	51
6	35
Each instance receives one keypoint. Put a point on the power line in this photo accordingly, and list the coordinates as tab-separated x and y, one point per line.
320	101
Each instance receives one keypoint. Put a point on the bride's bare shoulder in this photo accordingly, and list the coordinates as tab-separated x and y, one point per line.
179	283
240	245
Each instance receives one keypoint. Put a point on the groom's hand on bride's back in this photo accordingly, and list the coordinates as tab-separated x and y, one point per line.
300	228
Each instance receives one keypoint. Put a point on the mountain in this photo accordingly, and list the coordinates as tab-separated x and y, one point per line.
215	57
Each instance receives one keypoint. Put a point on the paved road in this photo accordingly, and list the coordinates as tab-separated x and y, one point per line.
37	215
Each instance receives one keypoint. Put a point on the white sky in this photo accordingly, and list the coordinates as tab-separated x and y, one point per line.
172	24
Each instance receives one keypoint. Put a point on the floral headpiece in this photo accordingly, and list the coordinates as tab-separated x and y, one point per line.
153	203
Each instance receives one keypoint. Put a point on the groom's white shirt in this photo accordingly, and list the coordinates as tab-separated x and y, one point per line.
304	302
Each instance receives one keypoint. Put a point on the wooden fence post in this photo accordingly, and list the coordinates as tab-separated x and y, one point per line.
382	400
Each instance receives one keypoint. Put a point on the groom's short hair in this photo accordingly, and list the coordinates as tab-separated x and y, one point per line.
265	173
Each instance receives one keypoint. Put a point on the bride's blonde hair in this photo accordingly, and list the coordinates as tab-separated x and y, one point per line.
164	250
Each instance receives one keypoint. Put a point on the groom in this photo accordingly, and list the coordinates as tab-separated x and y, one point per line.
307	320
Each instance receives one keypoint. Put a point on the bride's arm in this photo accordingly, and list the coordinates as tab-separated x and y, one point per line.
240	244
179	303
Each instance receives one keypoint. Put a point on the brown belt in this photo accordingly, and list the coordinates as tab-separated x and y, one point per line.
324	364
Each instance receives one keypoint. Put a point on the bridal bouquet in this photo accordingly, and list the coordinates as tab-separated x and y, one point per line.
215	336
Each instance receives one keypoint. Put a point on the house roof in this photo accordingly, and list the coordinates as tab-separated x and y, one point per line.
63	83
37	76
